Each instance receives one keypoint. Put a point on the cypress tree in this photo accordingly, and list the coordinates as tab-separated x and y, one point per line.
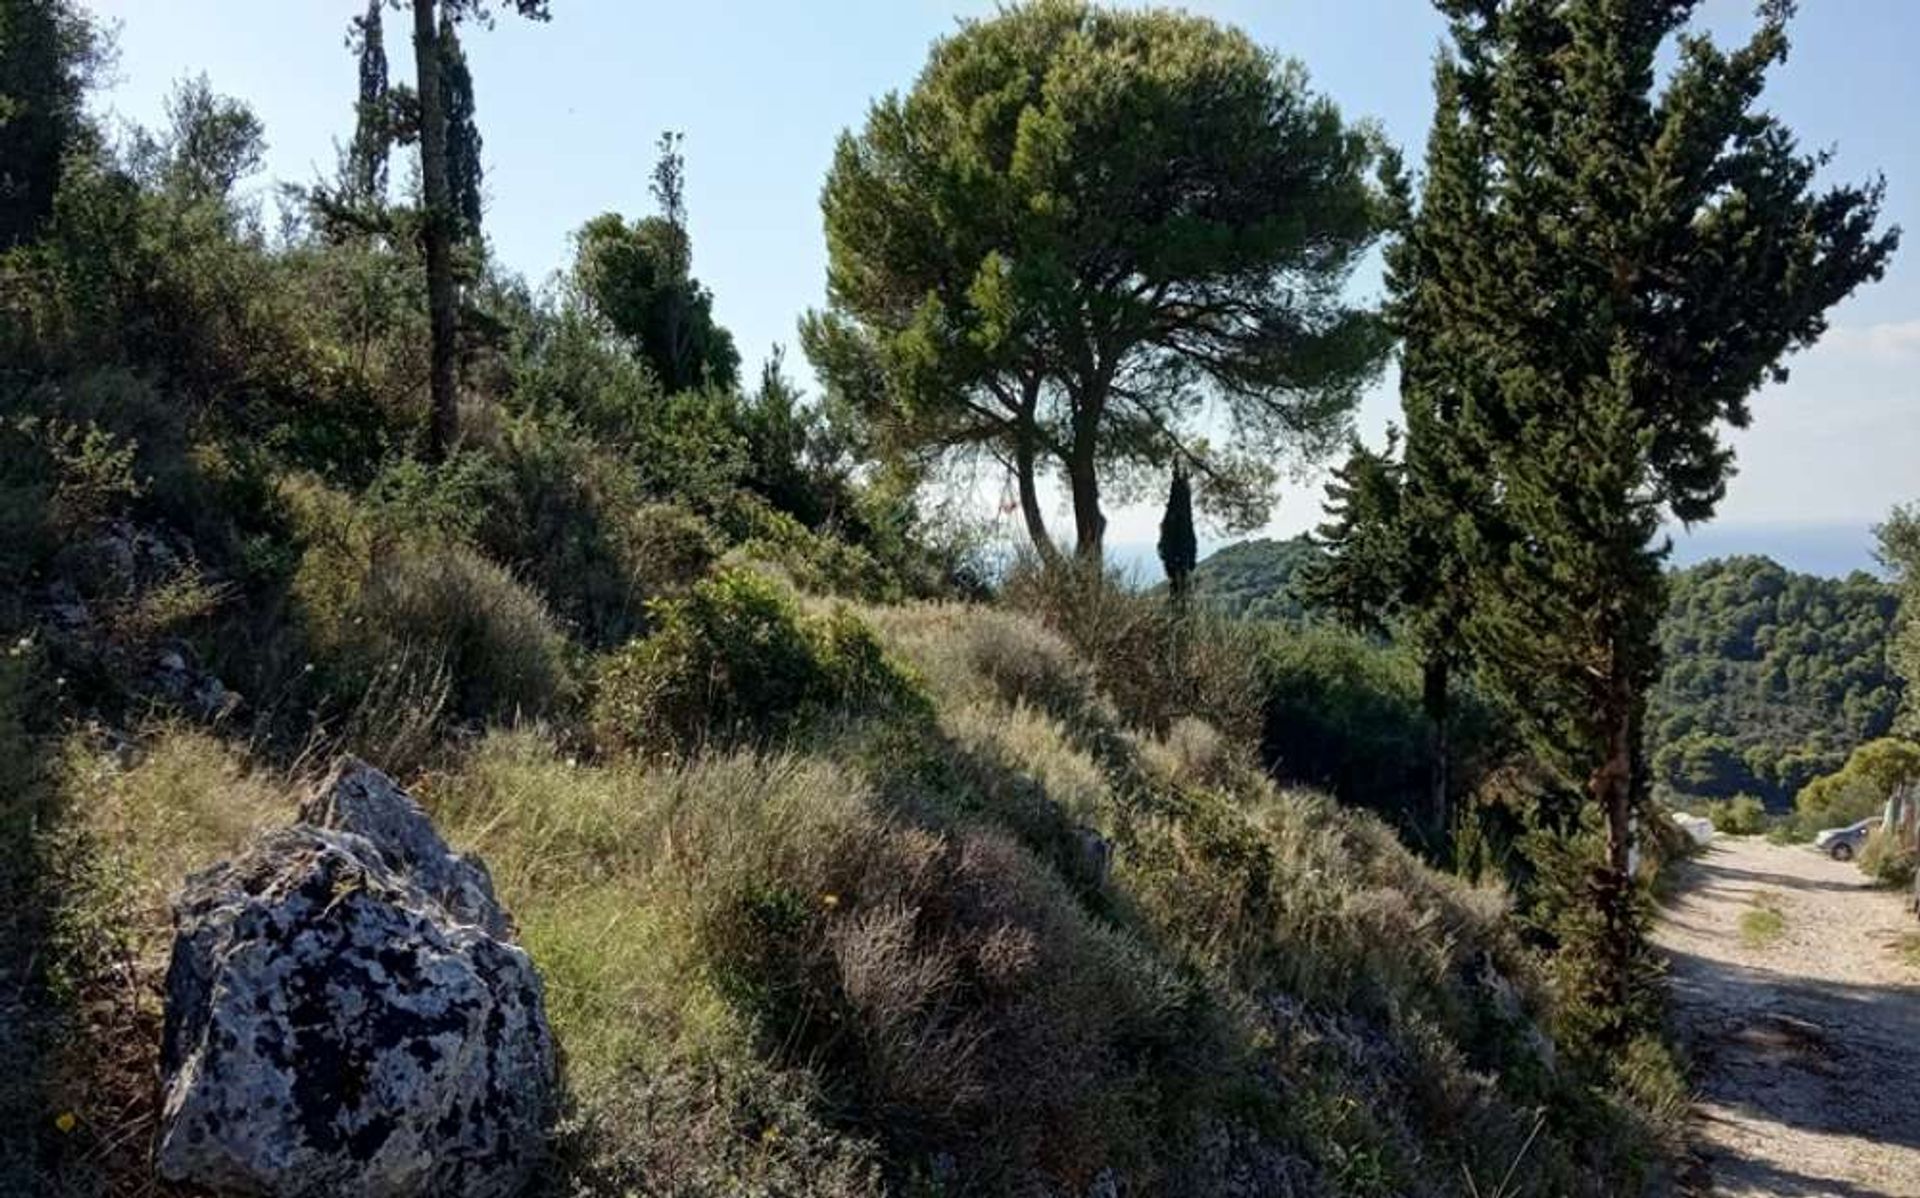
464	172
373	133
1599	275
48	51
441	219
1179	547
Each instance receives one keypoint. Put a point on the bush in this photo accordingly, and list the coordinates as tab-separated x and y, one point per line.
937	988
1155	662
1887	860
737	659
1742	815
408	617
1860	788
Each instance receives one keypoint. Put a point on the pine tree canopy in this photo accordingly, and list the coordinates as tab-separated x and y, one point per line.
1084	233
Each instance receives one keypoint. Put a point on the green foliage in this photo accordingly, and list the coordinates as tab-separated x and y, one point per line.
1593	1011
49	52
376	602
465	173
1742	815
1770	678
638	278
1860	788
737	659
1256	580
373	124
1887	860
1593	281
1899	552
1084	232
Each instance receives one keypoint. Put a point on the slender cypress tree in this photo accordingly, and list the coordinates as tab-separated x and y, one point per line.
1179	547
441	219
1600	274
48	52
464	172
373	133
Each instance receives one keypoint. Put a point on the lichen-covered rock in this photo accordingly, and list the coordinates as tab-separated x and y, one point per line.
360	799
335	1026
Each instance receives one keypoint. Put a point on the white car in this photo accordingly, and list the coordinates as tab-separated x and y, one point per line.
1844	844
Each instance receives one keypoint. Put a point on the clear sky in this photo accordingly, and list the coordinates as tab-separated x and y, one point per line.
570	111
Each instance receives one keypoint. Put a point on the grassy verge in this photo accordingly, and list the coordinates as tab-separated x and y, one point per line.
1765	924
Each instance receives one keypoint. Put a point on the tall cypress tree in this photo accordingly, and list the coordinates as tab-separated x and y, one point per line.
48	51
441	219
1179	546
373	132
464	172
1599	275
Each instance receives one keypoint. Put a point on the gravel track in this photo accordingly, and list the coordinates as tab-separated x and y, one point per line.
1806	1035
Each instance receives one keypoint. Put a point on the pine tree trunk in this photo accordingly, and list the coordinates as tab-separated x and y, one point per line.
1434	678
1083	480
1030	509
1089	526
436	231
1611	789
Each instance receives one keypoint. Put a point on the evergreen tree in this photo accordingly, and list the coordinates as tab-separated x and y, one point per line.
1602	272
639	277
48	53
1088	232
440	223
1390	568
1361	575
1179	547
1899	552
373	134
464	172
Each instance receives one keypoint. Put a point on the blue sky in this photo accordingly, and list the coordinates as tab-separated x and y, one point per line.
570	111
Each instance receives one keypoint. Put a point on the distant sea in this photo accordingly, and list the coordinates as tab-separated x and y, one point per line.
1834	550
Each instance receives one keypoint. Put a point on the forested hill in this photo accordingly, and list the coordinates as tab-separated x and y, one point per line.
1770	676
1254	579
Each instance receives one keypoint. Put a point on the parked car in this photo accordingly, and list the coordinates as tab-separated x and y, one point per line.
1844	844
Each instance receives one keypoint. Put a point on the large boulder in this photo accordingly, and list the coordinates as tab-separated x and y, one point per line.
345	1014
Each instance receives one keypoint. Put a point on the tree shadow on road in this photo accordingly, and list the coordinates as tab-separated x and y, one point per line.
1773	1047
1764	1177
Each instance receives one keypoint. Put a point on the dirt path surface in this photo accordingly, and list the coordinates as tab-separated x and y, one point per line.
1805	1027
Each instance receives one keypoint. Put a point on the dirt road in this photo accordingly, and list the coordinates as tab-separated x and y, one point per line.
1797	989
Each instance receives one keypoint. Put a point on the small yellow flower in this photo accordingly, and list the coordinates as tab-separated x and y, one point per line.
66	1121
770	1135
829	901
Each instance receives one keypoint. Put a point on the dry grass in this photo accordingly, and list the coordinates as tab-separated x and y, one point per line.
884	960
136	822
1766	923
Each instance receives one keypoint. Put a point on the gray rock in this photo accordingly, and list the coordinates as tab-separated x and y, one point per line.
1095	857
332	1027
360	799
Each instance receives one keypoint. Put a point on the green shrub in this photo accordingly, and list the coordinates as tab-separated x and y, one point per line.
1887	860
1860	788
935	987
1742	815
410	617
1155	663
737	659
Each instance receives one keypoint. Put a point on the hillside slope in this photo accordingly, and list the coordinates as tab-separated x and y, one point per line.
980	938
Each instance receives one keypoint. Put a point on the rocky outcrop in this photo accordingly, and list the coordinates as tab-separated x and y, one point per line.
345	1014
360	799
